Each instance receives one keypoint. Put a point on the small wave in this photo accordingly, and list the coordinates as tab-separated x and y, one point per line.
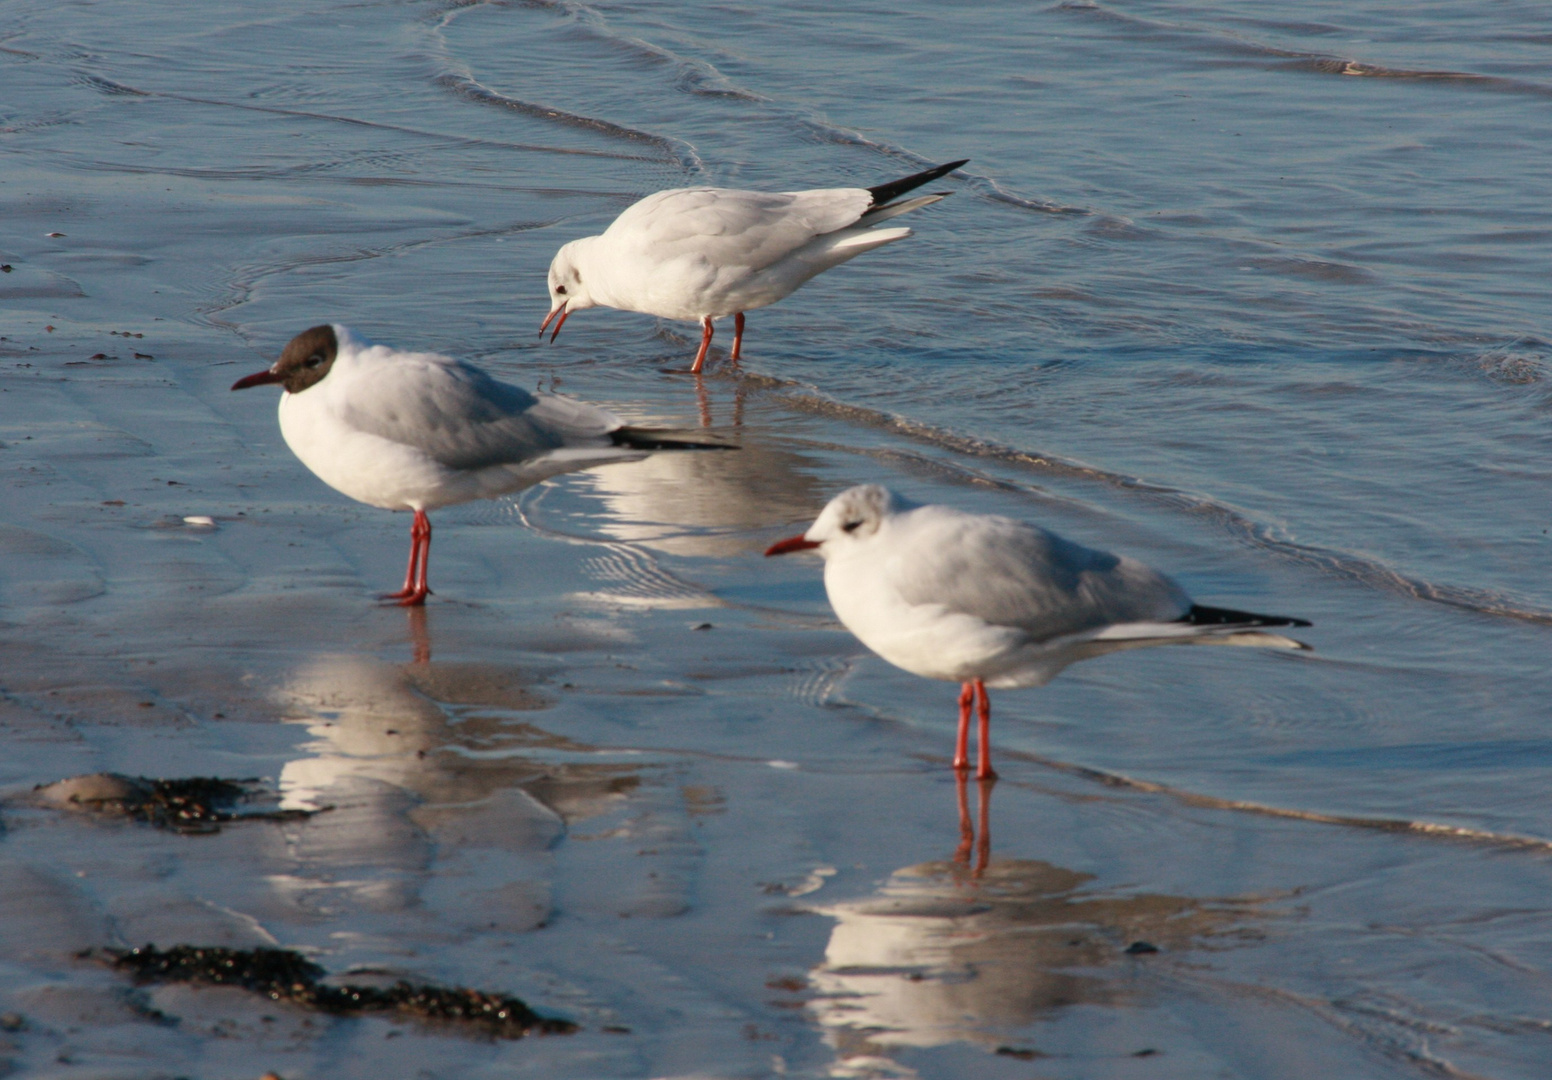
1426	829
694	76
108	86
469	89
1389	1033
1313	269
239	288
37	123
377	125
456	78
1299	60
1334	65
40	285
703	78
1367	572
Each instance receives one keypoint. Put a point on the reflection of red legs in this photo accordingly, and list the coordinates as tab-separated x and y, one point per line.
703	400
983	849
967	831
700	357
420	636
962	742
703	403
415	588
984	765
738	337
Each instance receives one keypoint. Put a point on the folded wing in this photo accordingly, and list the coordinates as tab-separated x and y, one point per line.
1009	574
464	419
728	227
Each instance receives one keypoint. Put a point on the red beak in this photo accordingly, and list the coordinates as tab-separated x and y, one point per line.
790	544
258	378
562	311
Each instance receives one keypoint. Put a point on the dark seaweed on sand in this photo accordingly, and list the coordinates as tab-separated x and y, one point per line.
196	804
283	975
192	805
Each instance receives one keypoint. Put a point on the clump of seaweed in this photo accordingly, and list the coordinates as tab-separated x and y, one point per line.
198	804
286	976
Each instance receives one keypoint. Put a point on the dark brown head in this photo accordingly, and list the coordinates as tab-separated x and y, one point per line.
304	362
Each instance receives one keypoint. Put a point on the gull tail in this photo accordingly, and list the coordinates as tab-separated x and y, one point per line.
636	438
1200	615
1203	625
896	188
850	244
1225	626
895	209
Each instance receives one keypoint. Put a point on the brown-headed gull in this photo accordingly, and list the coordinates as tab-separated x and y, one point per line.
704	253
989	601
417	431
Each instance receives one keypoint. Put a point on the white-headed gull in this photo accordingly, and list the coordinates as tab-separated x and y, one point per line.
417	431
983	600
704	253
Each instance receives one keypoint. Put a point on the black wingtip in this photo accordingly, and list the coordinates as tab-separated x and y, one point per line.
885	193
670	439
1199	615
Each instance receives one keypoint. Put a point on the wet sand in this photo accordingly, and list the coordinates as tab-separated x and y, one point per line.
629	771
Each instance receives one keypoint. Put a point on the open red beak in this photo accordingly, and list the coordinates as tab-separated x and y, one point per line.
790	544
258	378
562	311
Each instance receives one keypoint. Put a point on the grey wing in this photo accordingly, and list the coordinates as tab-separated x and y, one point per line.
728	227
1010	574
465	419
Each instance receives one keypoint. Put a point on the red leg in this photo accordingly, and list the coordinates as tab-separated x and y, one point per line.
962	743
738	336
415	588
409	573
700	357
984	771
422	590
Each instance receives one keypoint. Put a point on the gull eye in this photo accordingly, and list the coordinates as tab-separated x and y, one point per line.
560	290
851	526
313	361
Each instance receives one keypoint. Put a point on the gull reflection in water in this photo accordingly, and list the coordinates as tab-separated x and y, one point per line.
976	949
706	503
429	766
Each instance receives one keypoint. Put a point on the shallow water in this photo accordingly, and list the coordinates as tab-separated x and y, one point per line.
1257	300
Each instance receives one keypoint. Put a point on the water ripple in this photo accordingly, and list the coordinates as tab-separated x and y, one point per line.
1340	564
1298	60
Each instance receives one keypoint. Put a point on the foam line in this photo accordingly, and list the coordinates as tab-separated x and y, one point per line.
1423	829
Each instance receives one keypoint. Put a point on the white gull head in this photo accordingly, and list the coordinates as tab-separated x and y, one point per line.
568	290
